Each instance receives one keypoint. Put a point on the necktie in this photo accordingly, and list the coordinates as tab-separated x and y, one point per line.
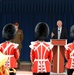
58	34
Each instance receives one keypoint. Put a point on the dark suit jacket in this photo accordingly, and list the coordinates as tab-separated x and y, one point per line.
63	33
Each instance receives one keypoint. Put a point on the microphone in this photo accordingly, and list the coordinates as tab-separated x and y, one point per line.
58	30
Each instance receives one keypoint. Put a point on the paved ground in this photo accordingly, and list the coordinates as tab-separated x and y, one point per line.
26	70
30	73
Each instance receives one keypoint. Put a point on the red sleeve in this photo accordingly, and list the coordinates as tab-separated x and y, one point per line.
50	55
67	54
16	54
32	56
1	48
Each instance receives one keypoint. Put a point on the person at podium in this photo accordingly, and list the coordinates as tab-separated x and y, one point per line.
69	53
59	32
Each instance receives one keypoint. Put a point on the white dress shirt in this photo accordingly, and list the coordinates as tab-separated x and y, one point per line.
59	32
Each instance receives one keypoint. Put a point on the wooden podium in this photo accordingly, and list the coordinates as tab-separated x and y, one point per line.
58	55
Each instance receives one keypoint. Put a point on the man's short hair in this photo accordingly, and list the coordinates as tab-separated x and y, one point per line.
16	24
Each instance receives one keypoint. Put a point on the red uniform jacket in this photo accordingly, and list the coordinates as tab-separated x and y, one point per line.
41	56
11	50
69	54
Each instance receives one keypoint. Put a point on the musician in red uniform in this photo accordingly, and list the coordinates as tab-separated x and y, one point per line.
69	53
9	48
41	51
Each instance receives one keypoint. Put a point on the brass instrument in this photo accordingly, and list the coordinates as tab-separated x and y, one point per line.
7	71
4	70
73	73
